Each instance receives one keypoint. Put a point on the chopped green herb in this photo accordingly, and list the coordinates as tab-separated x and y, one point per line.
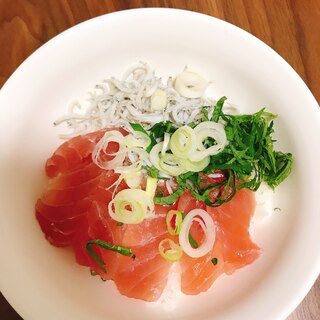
168	200
205	113
152	171
138	127
192	124
218	109
119	224
133	257
247	160
193	242
214	261
250	152
105	245
159	129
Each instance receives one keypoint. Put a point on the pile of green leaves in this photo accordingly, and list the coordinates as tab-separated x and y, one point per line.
156	132
248	159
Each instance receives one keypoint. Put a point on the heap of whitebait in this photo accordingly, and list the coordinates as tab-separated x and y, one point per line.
139	97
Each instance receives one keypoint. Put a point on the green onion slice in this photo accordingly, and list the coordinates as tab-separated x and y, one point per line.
131	206
172	165
169	250
183	142
177	216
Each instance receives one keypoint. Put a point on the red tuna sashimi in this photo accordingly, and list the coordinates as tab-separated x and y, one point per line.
142	277
73	210
233	247
75	182
233	220
72	153
146	276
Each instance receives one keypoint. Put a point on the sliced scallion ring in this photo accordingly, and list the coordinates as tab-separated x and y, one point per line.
183	142
204	130
137	139
131	206
172	164
154	155
177	217
207	225
197	166
166	141
169	250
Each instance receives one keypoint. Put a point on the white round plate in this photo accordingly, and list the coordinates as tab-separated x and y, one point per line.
44	282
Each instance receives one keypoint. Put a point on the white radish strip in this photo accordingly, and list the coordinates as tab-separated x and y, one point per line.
163	175
207	225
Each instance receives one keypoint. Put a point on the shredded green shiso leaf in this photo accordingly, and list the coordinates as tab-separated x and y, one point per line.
107	246
248	159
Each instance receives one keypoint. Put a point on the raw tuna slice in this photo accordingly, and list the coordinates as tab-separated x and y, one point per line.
233	220
75	181
233	247
74	210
